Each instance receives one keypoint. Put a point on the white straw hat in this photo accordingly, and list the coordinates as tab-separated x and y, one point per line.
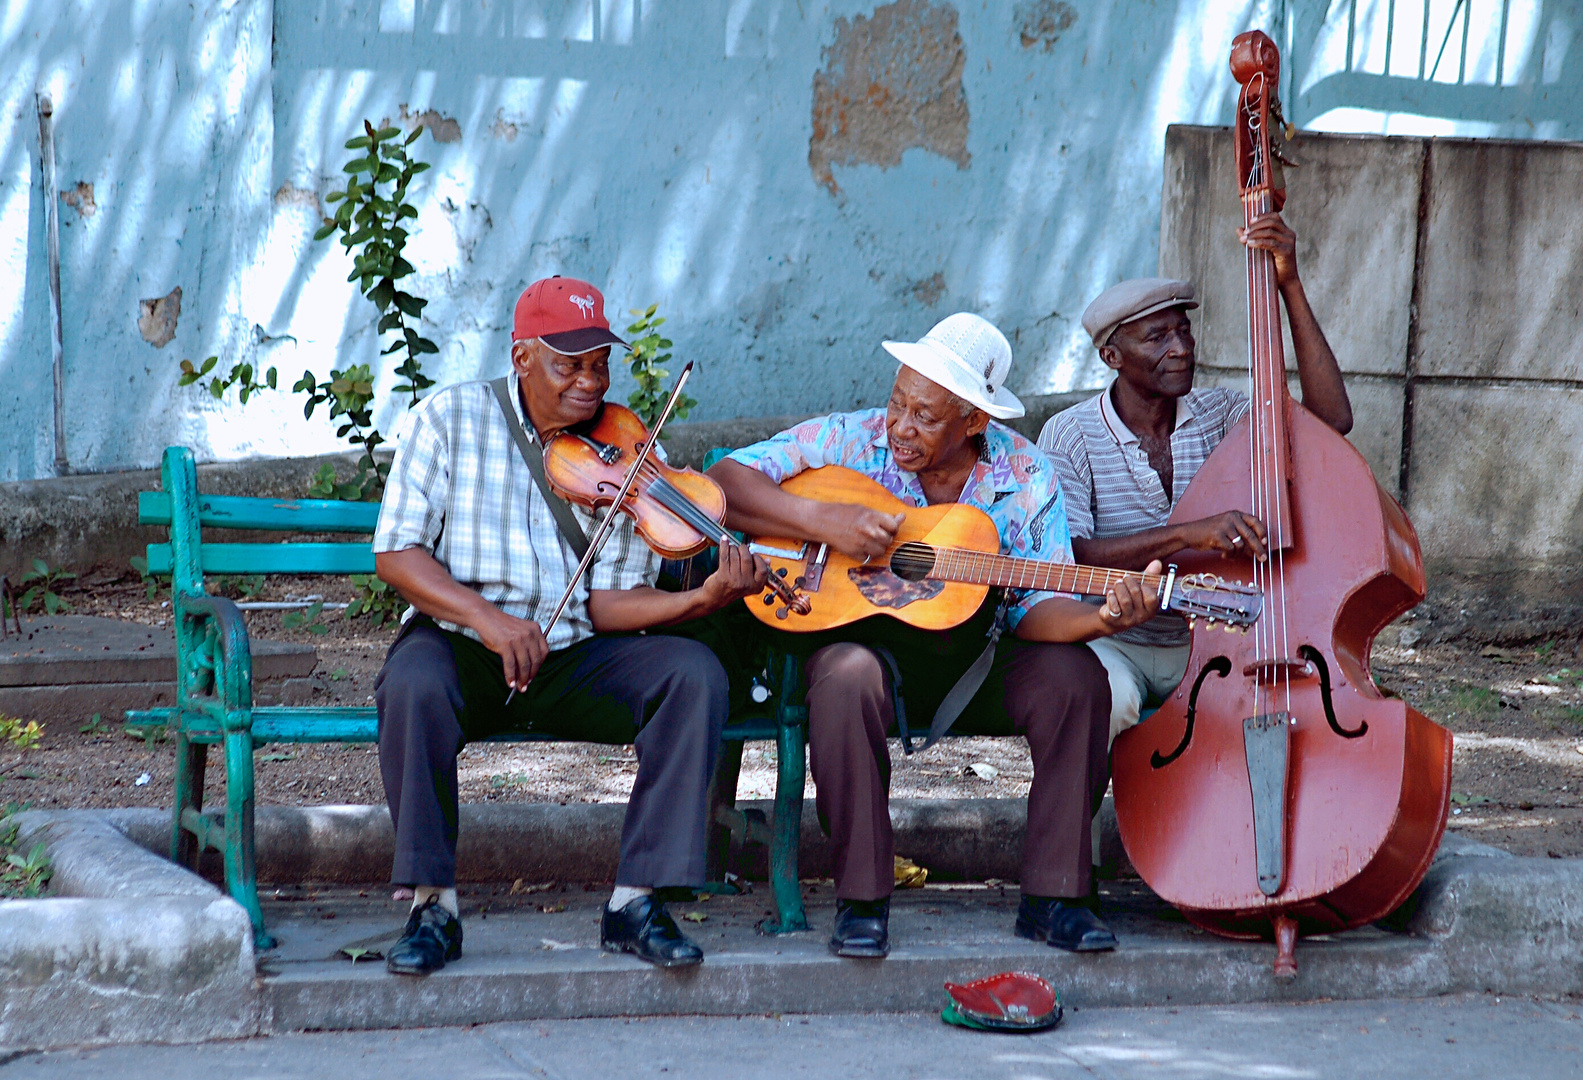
969	357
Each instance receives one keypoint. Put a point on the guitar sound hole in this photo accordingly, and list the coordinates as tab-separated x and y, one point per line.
912	561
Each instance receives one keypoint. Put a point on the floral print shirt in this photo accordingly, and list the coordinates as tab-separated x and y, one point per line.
1013	482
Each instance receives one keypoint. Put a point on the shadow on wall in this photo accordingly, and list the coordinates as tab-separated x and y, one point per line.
791	180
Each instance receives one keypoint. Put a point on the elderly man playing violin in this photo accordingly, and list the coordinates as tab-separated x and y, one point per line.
472	537
937	441
1126	456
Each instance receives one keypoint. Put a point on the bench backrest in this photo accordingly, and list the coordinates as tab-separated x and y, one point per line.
187	512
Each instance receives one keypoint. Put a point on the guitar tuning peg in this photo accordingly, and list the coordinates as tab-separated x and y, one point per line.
769	599
781	613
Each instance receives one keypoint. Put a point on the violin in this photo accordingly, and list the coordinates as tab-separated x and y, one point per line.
1278	791
676	511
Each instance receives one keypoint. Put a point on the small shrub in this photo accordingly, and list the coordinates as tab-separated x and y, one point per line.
22	736
42	582
310	621
374	600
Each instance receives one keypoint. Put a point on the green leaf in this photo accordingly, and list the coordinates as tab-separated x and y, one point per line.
327	231
359	143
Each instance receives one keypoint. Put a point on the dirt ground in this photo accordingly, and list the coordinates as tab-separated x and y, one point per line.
1517	715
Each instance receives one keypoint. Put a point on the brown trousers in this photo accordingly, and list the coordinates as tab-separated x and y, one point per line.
1055	696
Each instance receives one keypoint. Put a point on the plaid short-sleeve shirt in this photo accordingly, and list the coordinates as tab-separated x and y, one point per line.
459	489
1013	482
1112	488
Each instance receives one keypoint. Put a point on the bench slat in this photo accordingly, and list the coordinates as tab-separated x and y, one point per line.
279	515
272	558
360	724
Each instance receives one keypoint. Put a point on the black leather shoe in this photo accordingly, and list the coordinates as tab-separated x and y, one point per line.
646	930
1065	924
862	928
432	936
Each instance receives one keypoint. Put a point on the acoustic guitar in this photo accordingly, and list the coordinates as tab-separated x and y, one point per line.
944	561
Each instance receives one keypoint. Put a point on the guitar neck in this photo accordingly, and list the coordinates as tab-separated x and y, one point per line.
1007	572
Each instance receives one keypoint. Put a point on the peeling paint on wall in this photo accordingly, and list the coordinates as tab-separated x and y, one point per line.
157	323
288	194
927	291
1042	22
81	197
443	128
891	82
503	128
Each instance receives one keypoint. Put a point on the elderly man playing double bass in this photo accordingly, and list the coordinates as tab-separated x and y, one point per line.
473	538
1127	455
937	441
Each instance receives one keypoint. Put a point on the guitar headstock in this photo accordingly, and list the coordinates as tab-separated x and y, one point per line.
1256	65
1209	596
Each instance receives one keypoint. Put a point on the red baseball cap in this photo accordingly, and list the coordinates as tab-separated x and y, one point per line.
566	314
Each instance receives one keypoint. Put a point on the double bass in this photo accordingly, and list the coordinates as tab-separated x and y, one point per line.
1277	792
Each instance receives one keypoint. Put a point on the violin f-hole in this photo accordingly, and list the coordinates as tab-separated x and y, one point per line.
1220	666
1317	658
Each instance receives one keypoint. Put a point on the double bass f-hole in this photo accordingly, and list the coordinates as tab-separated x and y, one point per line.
1317	658
1220	666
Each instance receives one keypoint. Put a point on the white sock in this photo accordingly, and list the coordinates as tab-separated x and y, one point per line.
625	894
447	897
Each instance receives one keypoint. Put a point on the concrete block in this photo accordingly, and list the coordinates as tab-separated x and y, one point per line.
1502	259
92	858
61	649
1471	498
77	972
1376	417
137	949
1512	925
1354	207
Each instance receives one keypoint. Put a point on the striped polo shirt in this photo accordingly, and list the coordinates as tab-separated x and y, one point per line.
1110	488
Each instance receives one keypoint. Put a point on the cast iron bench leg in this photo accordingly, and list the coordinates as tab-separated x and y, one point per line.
192	759
791	757
241	875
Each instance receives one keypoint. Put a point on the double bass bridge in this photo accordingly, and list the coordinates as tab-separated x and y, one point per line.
1279	670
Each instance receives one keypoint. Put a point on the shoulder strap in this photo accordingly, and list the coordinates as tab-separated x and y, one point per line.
533	456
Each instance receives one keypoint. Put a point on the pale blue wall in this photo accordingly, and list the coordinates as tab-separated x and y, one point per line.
658	147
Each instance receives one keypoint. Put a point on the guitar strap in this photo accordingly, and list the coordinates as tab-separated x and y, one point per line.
533	457
957	698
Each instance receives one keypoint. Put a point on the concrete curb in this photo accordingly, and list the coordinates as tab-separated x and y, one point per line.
956	839
145	951
139	950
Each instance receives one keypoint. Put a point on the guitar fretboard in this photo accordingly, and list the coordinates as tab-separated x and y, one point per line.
1005	571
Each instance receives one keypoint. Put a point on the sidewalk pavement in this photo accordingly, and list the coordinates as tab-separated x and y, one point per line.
1449	1038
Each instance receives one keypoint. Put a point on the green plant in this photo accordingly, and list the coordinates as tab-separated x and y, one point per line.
26	876
239	374
370	215
647	370
43	583
95	726
149	581
21	736
374	600
20	876
310	621
244	586
154	733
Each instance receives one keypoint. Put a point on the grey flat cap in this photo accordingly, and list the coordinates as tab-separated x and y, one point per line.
1128	300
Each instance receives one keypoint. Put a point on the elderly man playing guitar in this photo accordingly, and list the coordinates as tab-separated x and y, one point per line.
936	442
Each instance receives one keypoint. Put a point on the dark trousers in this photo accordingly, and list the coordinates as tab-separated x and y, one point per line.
1056	696
667	696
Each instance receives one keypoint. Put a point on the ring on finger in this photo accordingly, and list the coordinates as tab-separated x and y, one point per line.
1236	541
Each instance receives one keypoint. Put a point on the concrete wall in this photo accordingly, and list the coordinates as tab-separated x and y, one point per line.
791	180
1474	409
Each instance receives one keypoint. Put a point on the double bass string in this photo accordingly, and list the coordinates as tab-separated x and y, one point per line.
1270	467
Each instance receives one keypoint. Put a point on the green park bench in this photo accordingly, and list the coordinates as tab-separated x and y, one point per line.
214	686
